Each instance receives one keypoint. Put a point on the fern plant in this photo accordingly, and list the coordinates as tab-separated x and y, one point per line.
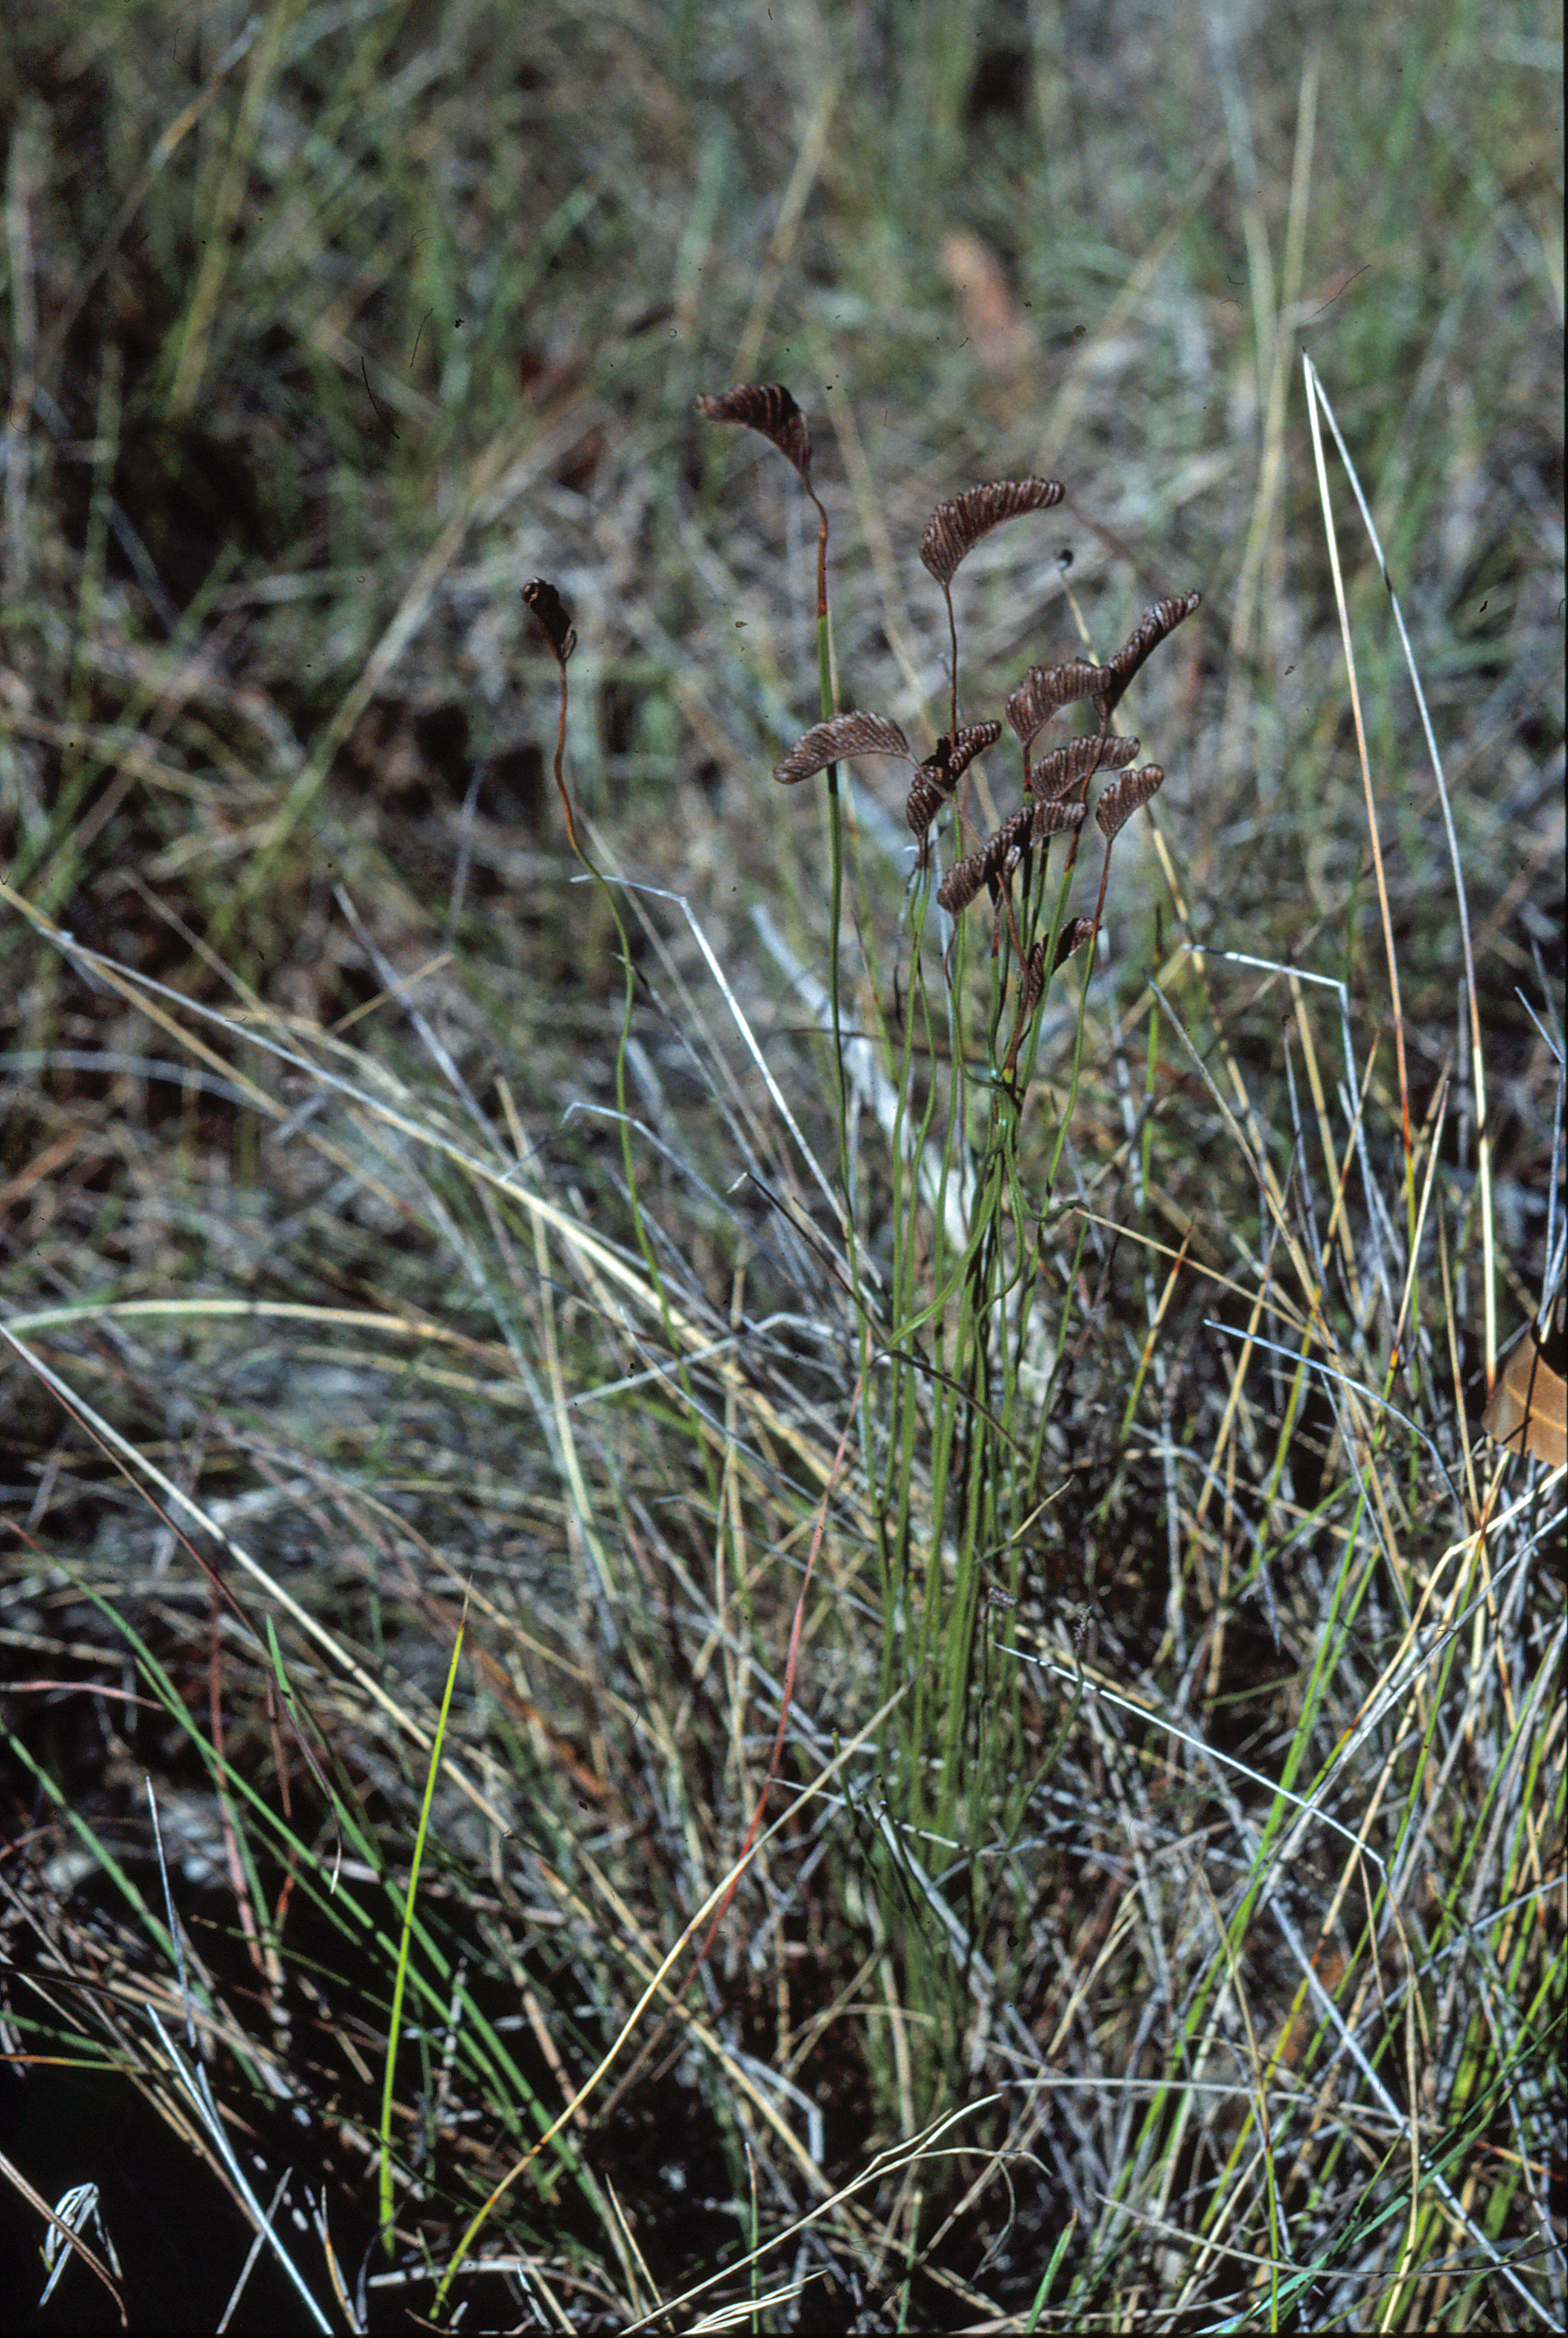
955	1344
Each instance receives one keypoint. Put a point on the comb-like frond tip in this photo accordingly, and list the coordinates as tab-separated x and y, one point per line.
553	617
993	865
955	528
942	769
1051	817
1045	688
855	733
767	407
1032	983
926	799
1072	938
972	740
1151	629
1058	773
1120	800
962	882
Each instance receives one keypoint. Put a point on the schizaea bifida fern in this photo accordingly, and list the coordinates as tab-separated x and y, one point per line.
941	771
1056	788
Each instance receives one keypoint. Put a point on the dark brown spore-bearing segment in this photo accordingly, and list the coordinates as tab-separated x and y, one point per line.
1151	629
1045	688
963	880
1120	800
1031	823
853	734
553	617
1072	938
1050	818
767	407
1057	774
942	769
954	528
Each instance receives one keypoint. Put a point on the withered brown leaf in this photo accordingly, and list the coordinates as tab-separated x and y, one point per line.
1527	1411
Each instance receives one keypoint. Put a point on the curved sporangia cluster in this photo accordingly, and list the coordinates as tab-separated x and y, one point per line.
1056	785
767	406
1065	772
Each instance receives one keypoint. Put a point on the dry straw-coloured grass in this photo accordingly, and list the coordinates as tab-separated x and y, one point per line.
1005	1768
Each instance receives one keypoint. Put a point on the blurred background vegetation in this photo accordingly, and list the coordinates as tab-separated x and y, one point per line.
328	326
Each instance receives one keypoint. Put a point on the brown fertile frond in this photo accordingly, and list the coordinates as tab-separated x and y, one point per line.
1032	978
767	406
1015	831
1120	800
1031	985
1151	629
855	733
998	858
995	860
926	799
954	528
959	752
1045	688
1072	938
1050	818
963	880
1058	773
942	769
553	617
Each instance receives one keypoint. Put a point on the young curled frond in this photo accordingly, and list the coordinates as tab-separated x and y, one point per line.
554	621
554	618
